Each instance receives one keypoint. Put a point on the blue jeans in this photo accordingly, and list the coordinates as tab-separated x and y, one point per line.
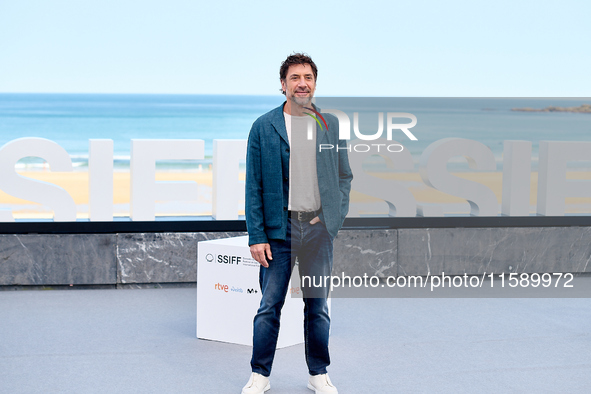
312	245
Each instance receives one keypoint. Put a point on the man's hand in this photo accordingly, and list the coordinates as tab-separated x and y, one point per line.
261	252
315	220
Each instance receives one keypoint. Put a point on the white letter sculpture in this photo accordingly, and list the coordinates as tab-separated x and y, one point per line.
228	191
145	191
516	178
553	187
100	177
401	202
433	170
58	199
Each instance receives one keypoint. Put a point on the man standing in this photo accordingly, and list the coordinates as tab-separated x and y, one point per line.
297	198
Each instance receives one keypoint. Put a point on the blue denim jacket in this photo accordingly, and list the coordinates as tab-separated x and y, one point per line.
267	177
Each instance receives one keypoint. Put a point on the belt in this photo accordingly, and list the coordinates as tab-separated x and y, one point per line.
304	216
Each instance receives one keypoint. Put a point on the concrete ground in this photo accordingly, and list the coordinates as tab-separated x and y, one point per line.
120	341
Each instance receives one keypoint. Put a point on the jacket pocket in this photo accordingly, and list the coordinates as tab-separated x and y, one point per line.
272	209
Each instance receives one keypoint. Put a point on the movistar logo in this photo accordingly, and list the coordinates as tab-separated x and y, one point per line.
315	118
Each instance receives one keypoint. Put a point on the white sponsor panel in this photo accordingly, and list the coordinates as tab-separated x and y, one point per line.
228	295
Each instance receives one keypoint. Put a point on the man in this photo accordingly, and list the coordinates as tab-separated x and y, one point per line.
296	201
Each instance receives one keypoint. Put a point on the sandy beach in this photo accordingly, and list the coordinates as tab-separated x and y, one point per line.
76	184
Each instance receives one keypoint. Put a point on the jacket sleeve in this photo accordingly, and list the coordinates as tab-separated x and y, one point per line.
254	189
345	178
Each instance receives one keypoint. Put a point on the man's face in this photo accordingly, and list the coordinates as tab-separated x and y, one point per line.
299	84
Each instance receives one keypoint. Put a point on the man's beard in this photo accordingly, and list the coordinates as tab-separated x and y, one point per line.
301	101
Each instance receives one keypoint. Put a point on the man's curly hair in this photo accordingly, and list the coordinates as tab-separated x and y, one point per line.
294	59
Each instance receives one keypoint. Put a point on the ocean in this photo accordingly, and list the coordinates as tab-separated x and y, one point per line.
72	119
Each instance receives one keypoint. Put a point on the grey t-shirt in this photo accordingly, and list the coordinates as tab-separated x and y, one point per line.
303	178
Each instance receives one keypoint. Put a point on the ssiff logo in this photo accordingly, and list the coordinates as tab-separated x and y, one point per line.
226	259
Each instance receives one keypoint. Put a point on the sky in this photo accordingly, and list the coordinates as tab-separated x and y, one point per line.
362	48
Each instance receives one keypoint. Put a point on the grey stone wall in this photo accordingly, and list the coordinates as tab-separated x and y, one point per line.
371	252
128	259
97	259
502	249
160	257
58	259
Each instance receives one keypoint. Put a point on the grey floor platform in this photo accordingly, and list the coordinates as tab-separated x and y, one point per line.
120	341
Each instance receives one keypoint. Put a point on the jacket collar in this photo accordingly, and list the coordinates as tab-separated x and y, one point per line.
278	121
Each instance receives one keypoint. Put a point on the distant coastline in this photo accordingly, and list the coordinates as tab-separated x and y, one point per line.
584	109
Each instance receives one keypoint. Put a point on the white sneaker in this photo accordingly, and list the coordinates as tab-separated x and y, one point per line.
321	384
257	384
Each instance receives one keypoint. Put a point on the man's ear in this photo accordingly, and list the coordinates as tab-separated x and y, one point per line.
283	86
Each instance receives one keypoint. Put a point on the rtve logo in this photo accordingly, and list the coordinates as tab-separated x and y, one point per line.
226	288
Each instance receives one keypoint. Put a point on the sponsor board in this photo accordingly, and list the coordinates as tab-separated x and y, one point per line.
228	295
